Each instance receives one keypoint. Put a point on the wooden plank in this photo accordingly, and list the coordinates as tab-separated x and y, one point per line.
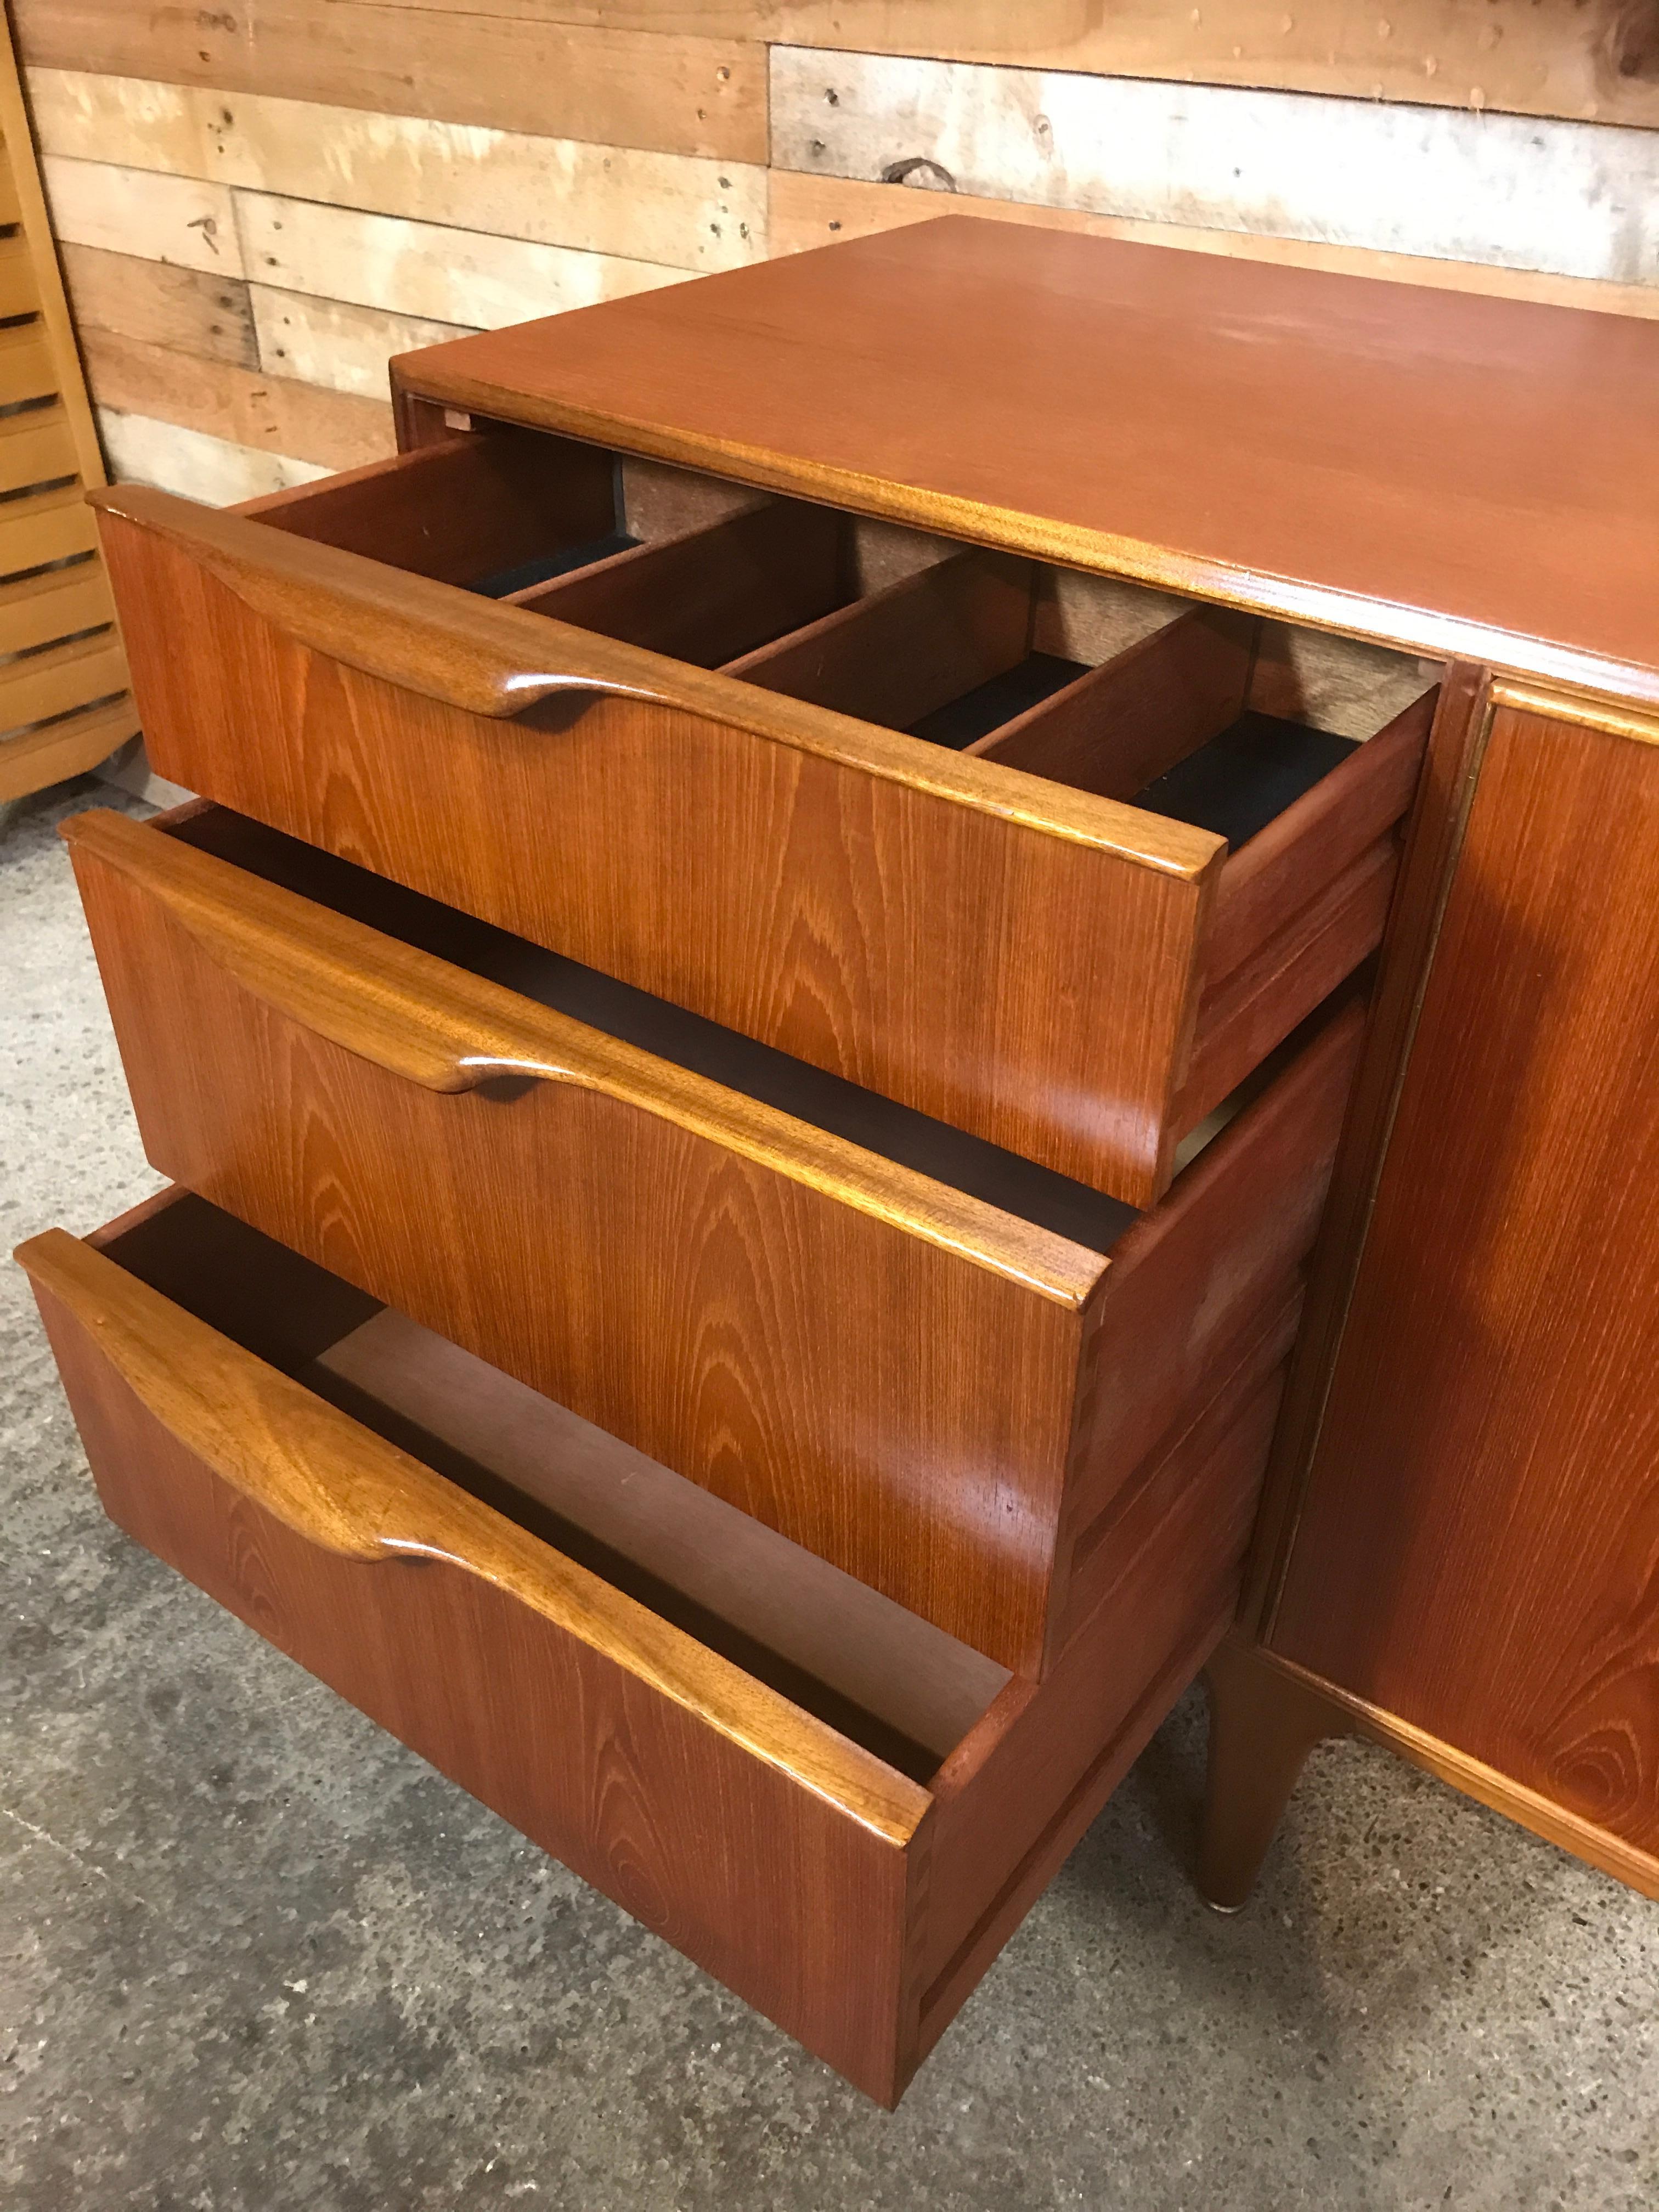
179	219
62	677
193	463
17	294
38	609
63	748
424	269
1575	198
808	211
45	527
36	447
1598	60
10	210
683	211
27	368
36	229
276	414
184	309
330	343
679	94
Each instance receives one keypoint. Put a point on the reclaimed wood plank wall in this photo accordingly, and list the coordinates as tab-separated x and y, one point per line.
258	201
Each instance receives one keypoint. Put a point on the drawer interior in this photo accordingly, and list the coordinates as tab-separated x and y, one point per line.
1198	714
888	1680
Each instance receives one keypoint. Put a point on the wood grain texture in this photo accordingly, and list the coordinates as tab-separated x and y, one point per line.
63	700
797	876
687	211
1430	842
1115	729
177	218
1474	1554
465	508
34	758
143	451
1600	62
1261	999
432	269
589	1724
1572	197
287	1061
1399	393
710	593
903	652
186	310
333	344
1266	1715
781	1854
61	601
807	211
246	407
678	93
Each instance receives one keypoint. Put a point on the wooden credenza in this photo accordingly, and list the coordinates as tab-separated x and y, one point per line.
793	915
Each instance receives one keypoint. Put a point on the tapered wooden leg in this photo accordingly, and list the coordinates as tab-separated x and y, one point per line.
1263	1723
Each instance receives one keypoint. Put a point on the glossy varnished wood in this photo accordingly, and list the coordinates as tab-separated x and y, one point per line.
651	1248
1341	451
826	884
822	883
856	1905
710	593
1474	1553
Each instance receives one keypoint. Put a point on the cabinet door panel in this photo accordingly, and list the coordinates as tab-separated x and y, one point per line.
1478	1548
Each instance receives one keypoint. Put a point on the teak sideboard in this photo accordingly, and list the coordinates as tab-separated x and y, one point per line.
911	989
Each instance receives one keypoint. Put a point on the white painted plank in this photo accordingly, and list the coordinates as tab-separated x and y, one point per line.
675	208
141	450
176	219
425	269
343	348
1578	199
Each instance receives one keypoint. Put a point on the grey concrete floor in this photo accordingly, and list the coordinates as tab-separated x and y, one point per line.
255	1956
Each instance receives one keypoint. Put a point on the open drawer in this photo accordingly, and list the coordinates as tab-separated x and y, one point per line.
937	1365
836	1809
1042	854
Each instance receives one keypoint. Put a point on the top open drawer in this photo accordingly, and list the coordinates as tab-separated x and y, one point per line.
1050	857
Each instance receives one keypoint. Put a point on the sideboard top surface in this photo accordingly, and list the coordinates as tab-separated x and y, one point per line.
1450	473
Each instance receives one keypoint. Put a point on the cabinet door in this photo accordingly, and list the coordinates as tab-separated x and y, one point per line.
1478	1550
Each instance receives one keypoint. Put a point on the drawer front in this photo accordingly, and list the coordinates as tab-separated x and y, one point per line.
764	1846
1017	959
896	1375
856	1905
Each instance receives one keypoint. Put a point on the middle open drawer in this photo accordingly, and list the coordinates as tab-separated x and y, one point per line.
934	1365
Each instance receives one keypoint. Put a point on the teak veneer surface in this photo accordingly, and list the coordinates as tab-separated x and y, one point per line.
1378	458
1476	1552
856	1905
653	1248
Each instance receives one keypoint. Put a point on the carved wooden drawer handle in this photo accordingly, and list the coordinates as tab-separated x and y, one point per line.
346	1490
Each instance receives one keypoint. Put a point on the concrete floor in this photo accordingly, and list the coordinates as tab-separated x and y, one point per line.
255	1956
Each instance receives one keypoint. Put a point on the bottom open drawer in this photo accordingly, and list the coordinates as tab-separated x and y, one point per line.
822	1799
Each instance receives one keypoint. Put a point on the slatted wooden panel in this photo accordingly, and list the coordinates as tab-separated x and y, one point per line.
286	191
64	699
